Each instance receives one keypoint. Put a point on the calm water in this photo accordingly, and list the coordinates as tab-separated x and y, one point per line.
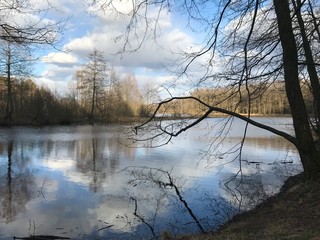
82	182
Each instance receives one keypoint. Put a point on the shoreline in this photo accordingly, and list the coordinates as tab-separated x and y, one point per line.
293	213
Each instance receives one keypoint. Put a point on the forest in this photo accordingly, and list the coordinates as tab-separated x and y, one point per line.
266	99
31	104
119	100
96	94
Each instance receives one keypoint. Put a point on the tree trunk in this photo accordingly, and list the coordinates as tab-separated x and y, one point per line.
9	107
93	100
314	79
310	156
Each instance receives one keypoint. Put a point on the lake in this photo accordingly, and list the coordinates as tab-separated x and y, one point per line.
84	182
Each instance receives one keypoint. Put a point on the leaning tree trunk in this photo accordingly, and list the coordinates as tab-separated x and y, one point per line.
310	156
311	66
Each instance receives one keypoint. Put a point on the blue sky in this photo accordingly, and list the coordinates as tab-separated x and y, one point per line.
87	29
90	28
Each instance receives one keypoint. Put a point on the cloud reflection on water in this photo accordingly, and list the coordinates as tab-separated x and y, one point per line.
73	181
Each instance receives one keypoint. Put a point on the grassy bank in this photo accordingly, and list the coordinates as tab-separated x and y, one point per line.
292	214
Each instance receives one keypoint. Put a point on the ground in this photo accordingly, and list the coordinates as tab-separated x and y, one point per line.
292	214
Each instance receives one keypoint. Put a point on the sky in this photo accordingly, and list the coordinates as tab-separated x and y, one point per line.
156	62
88	28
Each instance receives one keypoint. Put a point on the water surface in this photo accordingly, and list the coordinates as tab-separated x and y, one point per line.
82	182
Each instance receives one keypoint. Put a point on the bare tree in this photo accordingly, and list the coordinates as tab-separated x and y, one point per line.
92	80
23	28
15	63
258	43
131	93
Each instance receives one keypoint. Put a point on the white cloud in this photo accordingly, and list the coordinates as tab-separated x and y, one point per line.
101	32
60	58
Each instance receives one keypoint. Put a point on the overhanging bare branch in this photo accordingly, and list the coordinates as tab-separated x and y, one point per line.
211	109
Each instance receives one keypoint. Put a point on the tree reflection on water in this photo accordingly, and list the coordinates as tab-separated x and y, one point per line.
161	192
194	209
81	182
17	183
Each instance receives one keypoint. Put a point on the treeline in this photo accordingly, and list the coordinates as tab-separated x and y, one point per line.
30	104
27	103
261	99
121	101
96	94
